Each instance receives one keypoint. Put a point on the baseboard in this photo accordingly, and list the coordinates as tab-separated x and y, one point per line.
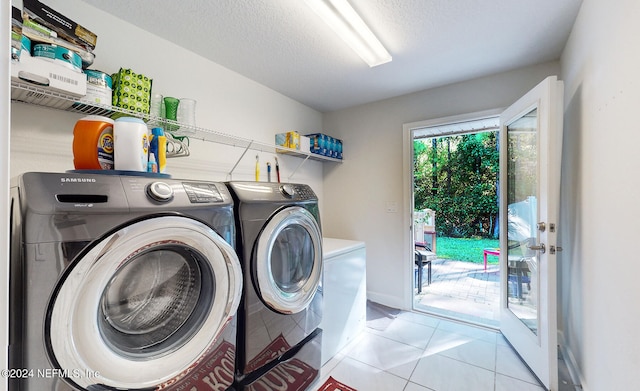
572	366
389	301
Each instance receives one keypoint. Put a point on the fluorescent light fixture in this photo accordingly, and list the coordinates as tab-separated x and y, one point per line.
344	20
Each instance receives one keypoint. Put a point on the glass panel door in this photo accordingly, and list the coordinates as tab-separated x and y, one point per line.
522	211
292	258
287	260
531	142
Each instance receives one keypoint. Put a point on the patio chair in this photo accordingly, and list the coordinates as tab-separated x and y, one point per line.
519	262
423	256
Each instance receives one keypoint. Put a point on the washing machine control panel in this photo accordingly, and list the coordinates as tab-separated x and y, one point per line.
304	192
257	192
202	192
288	190
297	192
160	191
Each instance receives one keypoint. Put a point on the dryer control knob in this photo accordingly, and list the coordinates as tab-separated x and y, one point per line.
160	191
288	190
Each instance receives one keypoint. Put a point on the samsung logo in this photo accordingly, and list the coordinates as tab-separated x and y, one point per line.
77	180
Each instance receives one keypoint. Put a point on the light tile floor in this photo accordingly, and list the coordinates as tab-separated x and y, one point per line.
417	352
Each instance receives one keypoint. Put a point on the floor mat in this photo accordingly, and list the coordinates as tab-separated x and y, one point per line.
333	385
379	316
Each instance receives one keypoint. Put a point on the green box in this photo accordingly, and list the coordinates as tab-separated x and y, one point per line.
132	91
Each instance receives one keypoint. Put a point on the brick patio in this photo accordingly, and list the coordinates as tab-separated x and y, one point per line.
463	290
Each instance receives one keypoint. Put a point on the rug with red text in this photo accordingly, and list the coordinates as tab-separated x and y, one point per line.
333	385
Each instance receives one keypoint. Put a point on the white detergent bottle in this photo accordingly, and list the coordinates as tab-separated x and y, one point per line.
130	144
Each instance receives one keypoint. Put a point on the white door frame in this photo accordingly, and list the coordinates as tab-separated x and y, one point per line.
407	188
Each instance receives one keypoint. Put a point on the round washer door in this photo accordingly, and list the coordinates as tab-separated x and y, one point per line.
143	304
288	260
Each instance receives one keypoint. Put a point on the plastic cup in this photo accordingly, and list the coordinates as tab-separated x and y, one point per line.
187	116
171	111
157	106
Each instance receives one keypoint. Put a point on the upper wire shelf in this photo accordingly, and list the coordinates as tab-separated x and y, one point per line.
32	94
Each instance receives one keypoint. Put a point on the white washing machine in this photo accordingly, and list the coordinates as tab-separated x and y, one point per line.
280	246
122	283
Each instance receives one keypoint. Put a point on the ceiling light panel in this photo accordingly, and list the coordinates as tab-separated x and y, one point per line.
346	22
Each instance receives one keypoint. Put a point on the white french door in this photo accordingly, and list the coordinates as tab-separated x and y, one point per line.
530	153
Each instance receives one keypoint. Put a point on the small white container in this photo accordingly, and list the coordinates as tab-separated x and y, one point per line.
99	87
130	145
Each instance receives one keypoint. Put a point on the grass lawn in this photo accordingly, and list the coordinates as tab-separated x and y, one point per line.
465	249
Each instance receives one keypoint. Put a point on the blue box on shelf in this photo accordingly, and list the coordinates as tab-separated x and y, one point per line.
325	145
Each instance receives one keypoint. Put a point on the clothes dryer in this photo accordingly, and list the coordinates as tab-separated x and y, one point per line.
122	283
280	246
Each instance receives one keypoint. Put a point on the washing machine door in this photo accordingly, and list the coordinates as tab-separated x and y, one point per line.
287	261
142	306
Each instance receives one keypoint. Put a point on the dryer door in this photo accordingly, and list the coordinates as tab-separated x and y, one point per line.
288	260
142	306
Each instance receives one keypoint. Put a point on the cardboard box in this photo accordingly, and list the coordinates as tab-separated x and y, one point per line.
288	140
47	75
324	145
318	143
63	26
281	140
293	140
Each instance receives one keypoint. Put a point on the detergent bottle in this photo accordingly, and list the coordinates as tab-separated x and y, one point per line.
93	143
131	144
158	147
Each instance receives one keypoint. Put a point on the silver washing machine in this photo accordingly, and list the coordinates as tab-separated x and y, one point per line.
122	283
280	247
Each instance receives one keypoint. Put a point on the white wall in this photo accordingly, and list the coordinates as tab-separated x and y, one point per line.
357	192
226	102
600	193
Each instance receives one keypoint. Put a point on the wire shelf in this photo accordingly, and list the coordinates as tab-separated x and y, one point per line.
42	96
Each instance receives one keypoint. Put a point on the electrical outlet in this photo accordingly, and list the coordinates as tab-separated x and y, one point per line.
392	207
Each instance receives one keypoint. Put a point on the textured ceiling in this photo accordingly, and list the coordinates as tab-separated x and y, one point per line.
283	44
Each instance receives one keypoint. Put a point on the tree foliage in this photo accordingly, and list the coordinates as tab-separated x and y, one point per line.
457	177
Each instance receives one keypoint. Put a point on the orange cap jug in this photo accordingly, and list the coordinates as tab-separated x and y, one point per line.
93	143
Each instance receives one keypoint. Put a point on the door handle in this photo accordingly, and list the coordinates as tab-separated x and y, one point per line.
539	247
